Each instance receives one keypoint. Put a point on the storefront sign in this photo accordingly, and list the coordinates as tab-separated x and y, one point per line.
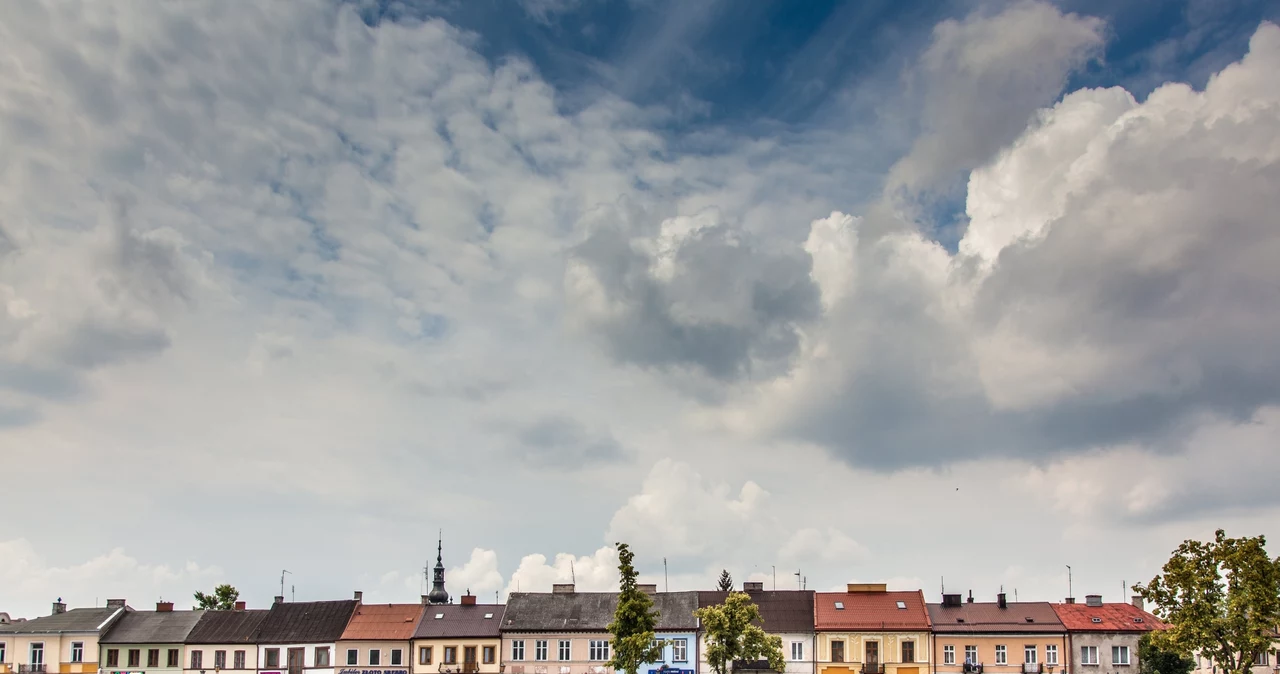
361	670
671	670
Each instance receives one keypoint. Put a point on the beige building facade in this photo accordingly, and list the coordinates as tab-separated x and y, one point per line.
869	630
63	642
459	638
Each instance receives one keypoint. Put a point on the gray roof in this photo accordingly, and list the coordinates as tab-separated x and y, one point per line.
75	620
227	627
780	610
308	622
459	622
590	611
152	627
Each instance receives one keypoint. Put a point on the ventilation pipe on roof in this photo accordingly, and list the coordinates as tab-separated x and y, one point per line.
970	596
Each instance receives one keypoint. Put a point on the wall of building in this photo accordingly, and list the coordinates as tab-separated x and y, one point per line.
437	654
308	660
364	665
890	651
579	662
1014	643
57	651
803	665
207	655
1103	641
122	663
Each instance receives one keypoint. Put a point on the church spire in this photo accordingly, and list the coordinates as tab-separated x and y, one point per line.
438	594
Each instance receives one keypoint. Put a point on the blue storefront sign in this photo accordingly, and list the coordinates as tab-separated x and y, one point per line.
670	670
352	670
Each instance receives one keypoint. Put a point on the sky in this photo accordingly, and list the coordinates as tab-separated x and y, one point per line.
928	293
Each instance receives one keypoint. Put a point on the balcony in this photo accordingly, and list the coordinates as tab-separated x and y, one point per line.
31	669
1032	668
973	668
872	668
460	668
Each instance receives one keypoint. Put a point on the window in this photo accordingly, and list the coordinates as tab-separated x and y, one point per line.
77	651
902	606
450	655
540	649
1	652
113	657
839	606
153	657
517	649
908	651
797	650
1088	655
237	660
566	651
37	653
1002	655
1261	658
971	655
680	650
469	655
219	659
135	657
1051	654
488	655
1120	655
837	651
375	657
424	655
353	656
598	649
271	657
197	659
948	655
397	657
1029	654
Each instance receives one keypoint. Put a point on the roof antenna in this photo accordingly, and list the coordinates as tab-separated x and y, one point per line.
666	583
944	583
799	580
1069	594
293	593
573	576
282	572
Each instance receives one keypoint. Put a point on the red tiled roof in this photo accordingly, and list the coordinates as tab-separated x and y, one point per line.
870	611
384	622
1111	618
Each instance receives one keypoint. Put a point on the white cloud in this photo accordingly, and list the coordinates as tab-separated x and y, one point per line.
479	574
597	572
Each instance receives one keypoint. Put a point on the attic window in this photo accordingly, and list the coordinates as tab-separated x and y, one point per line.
902	605
1097	620
488	616
959	620
839	606
1030	619
439	616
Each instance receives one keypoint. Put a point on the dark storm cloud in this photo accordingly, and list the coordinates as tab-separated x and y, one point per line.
556	441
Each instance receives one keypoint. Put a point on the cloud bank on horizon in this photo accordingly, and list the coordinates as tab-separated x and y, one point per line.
286	280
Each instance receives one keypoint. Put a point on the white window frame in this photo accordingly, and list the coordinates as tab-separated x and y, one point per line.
564	650
598	650
517	650
36	647
1002	654
1030	654
237	658
971	648
679	650
1085	655
397	657
353	657
540	650
375	657
1051	654
1120	656
949	654
2	653
77	651
797	650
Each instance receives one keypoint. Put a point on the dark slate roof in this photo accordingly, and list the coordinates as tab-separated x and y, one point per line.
780	610
75	620
460	622
590	611
307	622
988	617
227	627
151	627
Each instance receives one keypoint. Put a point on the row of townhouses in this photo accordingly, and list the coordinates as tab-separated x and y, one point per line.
865	630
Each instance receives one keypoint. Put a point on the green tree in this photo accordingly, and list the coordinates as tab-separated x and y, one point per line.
634	622
1220	598
1152	659
223	598
726	582
733	632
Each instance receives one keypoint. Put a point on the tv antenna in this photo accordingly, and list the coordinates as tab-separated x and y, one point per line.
799	580
666	582
775	575
282	572
573	576
1069	581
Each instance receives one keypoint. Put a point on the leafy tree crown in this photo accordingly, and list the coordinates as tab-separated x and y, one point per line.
223	598
734	632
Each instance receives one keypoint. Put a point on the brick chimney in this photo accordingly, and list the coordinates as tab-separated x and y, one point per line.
240	606
753	586
1137	602
359	596
648	588
1093	600
164	607
59	607
115	603
1001	601
279	599
426	600
562	588
468	599
1069	600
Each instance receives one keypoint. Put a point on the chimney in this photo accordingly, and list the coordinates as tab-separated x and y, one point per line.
164	607
970	596
867	587
753	586
115	603
1093	600
240	606
359	596
562	588
1070	600
950	600
1137	602
426	599
59	607
1001	602
279	599
648	588
468	599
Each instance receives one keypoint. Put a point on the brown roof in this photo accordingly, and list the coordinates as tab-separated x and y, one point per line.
458	621
384	622
227	627
780	610
1027	616
1107	618
865	611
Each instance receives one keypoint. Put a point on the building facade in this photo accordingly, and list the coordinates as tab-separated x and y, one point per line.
378	639
63	642
150	641
787	614
302	637
459	638
227	637
869	630
1103	638
566	632
997	637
